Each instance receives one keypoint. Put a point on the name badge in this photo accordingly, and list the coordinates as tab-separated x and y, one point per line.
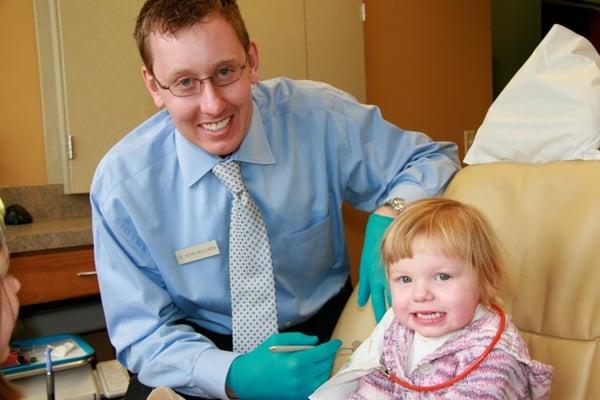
197	252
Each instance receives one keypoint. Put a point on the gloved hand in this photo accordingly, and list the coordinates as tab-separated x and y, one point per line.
261	374
372	279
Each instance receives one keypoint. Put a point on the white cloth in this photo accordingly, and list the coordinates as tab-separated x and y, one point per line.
550	110
253	301
421	347
364	360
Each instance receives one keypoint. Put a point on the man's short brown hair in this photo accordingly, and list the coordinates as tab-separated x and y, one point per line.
169	16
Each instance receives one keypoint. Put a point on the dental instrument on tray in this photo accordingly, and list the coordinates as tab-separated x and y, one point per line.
49	374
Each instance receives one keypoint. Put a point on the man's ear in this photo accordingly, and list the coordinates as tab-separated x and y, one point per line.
152	87
253	61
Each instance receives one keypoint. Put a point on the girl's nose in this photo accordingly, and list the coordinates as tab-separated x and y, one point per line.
422	292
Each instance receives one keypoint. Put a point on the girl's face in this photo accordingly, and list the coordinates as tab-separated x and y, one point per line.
431	293
9	303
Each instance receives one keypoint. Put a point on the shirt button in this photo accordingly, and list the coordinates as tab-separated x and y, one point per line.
287	324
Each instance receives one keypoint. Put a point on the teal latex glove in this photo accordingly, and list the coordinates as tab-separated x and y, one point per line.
261	374
372	279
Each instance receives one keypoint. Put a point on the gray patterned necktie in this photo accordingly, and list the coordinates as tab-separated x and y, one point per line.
251	280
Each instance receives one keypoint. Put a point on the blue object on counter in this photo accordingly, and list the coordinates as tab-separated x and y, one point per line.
31	355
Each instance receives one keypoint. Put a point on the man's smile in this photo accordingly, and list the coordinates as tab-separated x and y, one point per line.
216	126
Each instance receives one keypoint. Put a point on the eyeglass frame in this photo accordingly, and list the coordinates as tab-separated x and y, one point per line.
208	78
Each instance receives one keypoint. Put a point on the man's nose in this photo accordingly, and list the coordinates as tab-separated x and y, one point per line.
211	100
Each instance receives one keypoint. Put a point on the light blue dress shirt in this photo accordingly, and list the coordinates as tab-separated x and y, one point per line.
309	148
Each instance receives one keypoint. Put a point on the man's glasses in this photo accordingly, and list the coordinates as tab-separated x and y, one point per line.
224	76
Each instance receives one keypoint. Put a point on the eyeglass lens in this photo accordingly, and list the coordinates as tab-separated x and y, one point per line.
191	86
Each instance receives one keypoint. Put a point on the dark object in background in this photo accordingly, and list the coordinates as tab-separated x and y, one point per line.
16	214
580	16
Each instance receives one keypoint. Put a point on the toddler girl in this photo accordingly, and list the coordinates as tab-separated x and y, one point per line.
445	337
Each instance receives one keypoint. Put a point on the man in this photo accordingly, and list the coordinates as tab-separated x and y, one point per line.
166	218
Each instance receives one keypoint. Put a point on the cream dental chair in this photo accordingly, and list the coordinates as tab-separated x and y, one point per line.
548	218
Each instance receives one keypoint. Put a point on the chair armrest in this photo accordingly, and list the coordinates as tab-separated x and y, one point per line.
355	323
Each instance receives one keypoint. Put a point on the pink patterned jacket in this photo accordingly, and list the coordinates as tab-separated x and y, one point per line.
507	372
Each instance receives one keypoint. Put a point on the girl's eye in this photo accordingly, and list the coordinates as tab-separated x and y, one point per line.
443	277
405	279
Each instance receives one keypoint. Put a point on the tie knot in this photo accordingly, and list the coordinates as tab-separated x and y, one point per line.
230	175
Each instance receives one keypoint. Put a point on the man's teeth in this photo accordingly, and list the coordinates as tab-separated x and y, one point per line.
429	315
216	126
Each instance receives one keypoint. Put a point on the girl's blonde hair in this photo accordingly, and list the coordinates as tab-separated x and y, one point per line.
455	230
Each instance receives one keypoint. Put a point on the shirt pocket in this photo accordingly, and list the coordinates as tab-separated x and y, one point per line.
310	252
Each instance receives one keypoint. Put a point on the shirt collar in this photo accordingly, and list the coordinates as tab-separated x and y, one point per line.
195	162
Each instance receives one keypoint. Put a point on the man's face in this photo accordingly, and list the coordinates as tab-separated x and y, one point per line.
216	119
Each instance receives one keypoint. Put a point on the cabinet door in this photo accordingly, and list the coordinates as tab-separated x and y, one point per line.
278	29
92	91
91	82
55	275
309	39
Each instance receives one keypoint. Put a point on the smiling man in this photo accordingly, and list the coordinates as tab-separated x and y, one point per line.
218	228
216	120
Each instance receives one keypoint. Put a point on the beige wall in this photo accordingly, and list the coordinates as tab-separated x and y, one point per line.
419	56
22	153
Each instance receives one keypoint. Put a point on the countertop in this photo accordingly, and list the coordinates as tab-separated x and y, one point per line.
50	234
59	220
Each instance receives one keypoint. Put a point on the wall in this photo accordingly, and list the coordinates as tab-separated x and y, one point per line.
429	64
516	31
22	150
419	57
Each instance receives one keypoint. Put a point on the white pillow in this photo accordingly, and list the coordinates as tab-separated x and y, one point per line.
550	110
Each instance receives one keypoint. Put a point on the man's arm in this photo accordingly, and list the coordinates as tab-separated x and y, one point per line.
141	317
385	162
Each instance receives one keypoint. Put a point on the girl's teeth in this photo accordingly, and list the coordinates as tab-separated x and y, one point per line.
431	315
216	126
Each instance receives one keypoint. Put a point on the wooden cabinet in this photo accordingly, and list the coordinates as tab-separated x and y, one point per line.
47	276
92	90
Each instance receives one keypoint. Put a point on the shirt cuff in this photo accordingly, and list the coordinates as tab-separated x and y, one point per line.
409	193
212	380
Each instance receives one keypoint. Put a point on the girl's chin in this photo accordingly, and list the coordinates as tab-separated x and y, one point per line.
428	333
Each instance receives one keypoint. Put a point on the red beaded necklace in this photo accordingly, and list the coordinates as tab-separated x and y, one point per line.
463	374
